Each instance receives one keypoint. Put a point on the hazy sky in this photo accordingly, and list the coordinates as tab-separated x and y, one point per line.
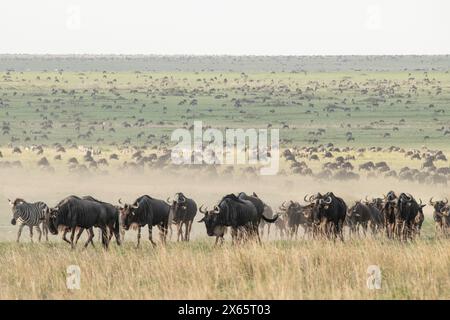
262	27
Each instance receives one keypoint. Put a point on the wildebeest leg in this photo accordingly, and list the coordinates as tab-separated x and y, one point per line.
39	232
90	232
139	237
150	236
364	228
256	230
64	235
234	234
116	235
80	231
341	230
105	238
188	232
180	230
163	231
72	236
31	233
219	241
19	232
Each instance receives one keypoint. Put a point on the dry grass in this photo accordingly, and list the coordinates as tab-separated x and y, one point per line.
275	270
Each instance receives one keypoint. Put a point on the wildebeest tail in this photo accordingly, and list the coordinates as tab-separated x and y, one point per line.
117	225
270	220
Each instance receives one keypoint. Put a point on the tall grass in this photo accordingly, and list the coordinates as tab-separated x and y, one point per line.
197	270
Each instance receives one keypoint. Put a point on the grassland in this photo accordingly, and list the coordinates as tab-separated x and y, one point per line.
276	270
367	104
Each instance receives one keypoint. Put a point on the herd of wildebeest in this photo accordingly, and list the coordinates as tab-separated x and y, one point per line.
322	162
397	216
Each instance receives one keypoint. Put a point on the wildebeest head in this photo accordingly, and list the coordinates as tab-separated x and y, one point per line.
390	196
438	205
177	205
51	217
353	211
211	220
128	214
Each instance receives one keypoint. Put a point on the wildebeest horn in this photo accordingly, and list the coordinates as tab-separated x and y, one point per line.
446	201
216	209
120	200
409	196
367	200
420	201
200	209
168	200
432	203
11	203
136	206
304	198
328	201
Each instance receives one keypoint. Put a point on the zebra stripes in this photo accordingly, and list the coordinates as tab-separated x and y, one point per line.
29	214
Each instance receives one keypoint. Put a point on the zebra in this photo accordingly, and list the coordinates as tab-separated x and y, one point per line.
31	215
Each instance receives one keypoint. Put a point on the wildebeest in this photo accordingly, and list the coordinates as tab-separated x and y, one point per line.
113	212
389	213
31	215
358	215
232	212
74	212
183	211
363	215
149	211
407	211
295	218
329	214
441	215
